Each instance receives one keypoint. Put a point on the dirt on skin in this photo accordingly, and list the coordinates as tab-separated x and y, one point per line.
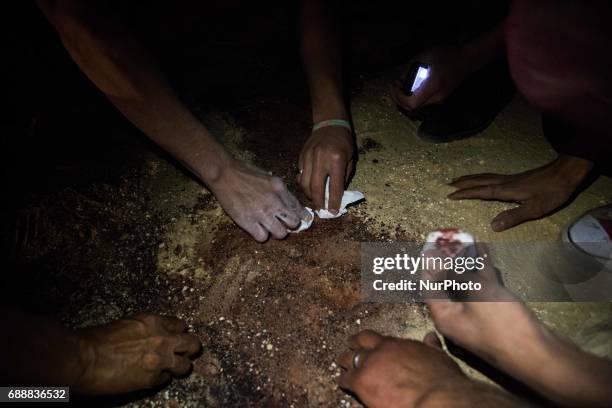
275	316
405	182
271	317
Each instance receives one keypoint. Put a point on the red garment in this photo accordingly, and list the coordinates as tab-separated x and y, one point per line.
560	57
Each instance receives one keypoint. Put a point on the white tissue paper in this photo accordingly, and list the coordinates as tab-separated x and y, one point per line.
348	198
452	241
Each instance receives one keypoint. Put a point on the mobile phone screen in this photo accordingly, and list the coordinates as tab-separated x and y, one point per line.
417	74
421	75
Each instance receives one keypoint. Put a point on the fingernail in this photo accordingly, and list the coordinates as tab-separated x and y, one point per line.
498	225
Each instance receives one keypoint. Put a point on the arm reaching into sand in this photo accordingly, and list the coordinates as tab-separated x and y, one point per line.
330	150
120	67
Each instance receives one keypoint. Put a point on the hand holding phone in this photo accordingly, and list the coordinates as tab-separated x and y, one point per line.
430	78
417	74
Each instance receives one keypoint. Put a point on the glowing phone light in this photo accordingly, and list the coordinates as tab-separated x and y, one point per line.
421	75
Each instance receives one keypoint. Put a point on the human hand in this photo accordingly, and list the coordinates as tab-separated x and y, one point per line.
135	353
539	191
393	372
447	69
259	203
329	151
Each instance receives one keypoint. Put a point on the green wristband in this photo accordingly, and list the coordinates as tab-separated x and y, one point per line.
332	122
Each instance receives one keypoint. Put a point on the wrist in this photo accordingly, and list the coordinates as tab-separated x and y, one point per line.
573	169
483	49
568	172
465	392
333	109
445	393
210	170
333	123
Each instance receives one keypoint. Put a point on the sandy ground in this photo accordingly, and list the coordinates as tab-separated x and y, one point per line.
127	230
272	317
405	184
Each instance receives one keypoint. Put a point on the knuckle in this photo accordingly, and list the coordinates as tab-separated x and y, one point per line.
336	156
293	222
156	341
149	320
277	234
261	236
278	184
388	347
141	324
260	214
151	361
316	183
362	380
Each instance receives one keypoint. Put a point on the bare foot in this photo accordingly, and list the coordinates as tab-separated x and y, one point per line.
507	335
482	324
134	353
498	332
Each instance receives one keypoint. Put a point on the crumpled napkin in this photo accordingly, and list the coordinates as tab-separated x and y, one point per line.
452	241
348	198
